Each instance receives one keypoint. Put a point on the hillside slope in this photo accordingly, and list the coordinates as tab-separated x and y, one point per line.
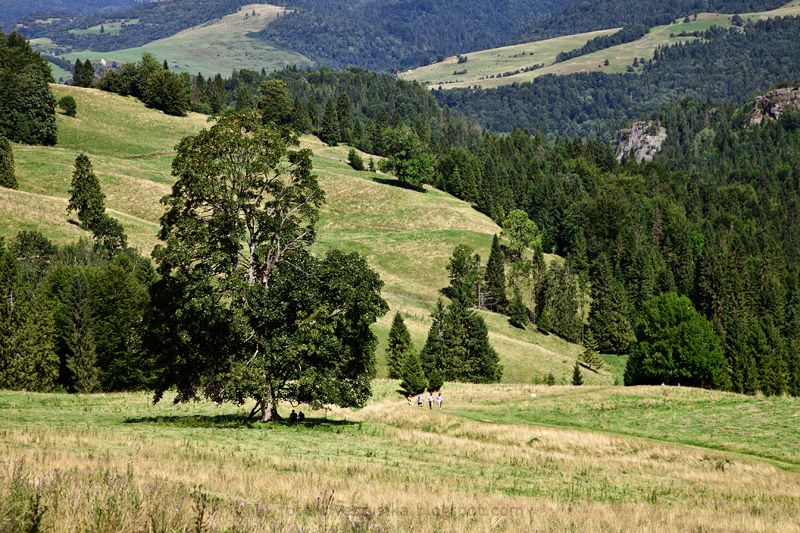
405	235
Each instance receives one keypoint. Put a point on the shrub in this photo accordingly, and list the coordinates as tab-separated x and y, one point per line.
355	160
68	105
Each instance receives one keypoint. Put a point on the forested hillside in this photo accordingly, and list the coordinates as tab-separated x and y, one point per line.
725	65
581	17
11	10
142	24
387	36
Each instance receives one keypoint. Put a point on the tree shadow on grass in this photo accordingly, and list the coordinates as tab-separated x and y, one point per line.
241	422
394	182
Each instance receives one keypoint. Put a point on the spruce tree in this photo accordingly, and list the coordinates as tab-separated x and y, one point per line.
577	378
330	124
244	100
399	345
300	121
343	115
77	73
85	195
495	277
413	378
8	177
274	103
590	355
313	115
543	322
609	317
79	338
435	380
517	311
484	362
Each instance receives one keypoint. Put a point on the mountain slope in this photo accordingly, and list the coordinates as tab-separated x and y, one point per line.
406	236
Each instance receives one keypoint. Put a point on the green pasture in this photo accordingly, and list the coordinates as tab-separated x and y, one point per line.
214	47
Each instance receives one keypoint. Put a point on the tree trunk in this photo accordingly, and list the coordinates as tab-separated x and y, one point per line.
268	406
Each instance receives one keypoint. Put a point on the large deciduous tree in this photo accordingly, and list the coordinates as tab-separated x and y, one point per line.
242	310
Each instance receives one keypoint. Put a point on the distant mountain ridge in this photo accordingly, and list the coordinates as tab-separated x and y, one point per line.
382	35
11	10
582	17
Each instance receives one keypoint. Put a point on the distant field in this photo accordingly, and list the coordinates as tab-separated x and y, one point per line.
495	62
495	459
112	28
215	47
405	235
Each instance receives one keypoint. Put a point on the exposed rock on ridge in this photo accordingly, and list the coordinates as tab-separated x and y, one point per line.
771	105
643	140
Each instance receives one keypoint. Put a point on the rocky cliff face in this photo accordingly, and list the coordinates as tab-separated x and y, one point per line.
771	105
642	141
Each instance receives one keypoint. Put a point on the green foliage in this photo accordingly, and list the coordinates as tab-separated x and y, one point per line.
609	316
244	100
68	105
164	90
274	102
8	176
399	345
355	160
517	311
577	377
83	74
27	352
329	132
675	344
81	358
85	195
521	233
550	379
465	274
27	106
590	355
343	115
458	346
413	378
408	158
543	322
109	235
495	278
435	380
250	325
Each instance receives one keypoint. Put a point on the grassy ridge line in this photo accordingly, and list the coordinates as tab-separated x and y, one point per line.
405	235
391	455
215	47
500	60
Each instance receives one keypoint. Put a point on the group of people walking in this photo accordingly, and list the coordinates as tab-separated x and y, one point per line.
439	400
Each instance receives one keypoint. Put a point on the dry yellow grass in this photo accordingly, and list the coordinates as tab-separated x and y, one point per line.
413	469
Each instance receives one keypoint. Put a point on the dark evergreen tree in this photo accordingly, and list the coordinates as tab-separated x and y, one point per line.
274	103
590	355
343	116
495	277
300	122
8	176
81	358
355	160
577	378
399	345
330	131
435	380
608	316
85	195
543	322
413	378
517	311
313	115
244	100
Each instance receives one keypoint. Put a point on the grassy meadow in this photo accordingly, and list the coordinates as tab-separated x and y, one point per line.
494	459
217	46
496	61
407	236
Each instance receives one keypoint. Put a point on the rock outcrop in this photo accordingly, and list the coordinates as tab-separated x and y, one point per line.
771	105
643	140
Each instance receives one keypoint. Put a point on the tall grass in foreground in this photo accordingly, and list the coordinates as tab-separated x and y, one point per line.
115	462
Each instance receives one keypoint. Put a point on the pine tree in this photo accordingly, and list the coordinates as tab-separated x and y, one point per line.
517	312
590	355
484	362
88	74
413	377
313	115
435	380
608	317
343	115
577	378
8	177
543	322
244	100
330	124
79	338
300	121
85	195
399	345
77	73
496	277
